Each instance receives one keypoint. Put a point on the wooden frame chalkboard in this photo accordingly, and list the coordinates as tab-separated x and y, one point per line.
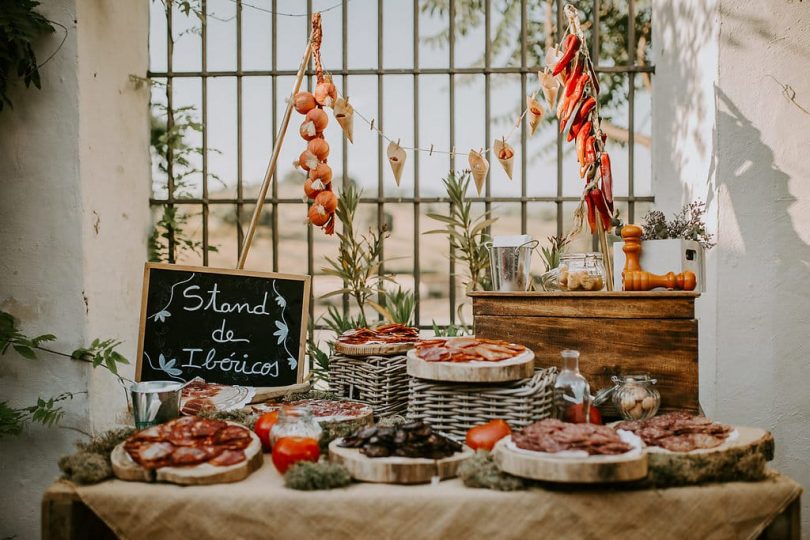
227	326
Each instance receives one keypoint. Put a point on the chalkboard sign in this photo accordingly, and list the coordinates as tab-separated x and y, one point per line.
226	326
